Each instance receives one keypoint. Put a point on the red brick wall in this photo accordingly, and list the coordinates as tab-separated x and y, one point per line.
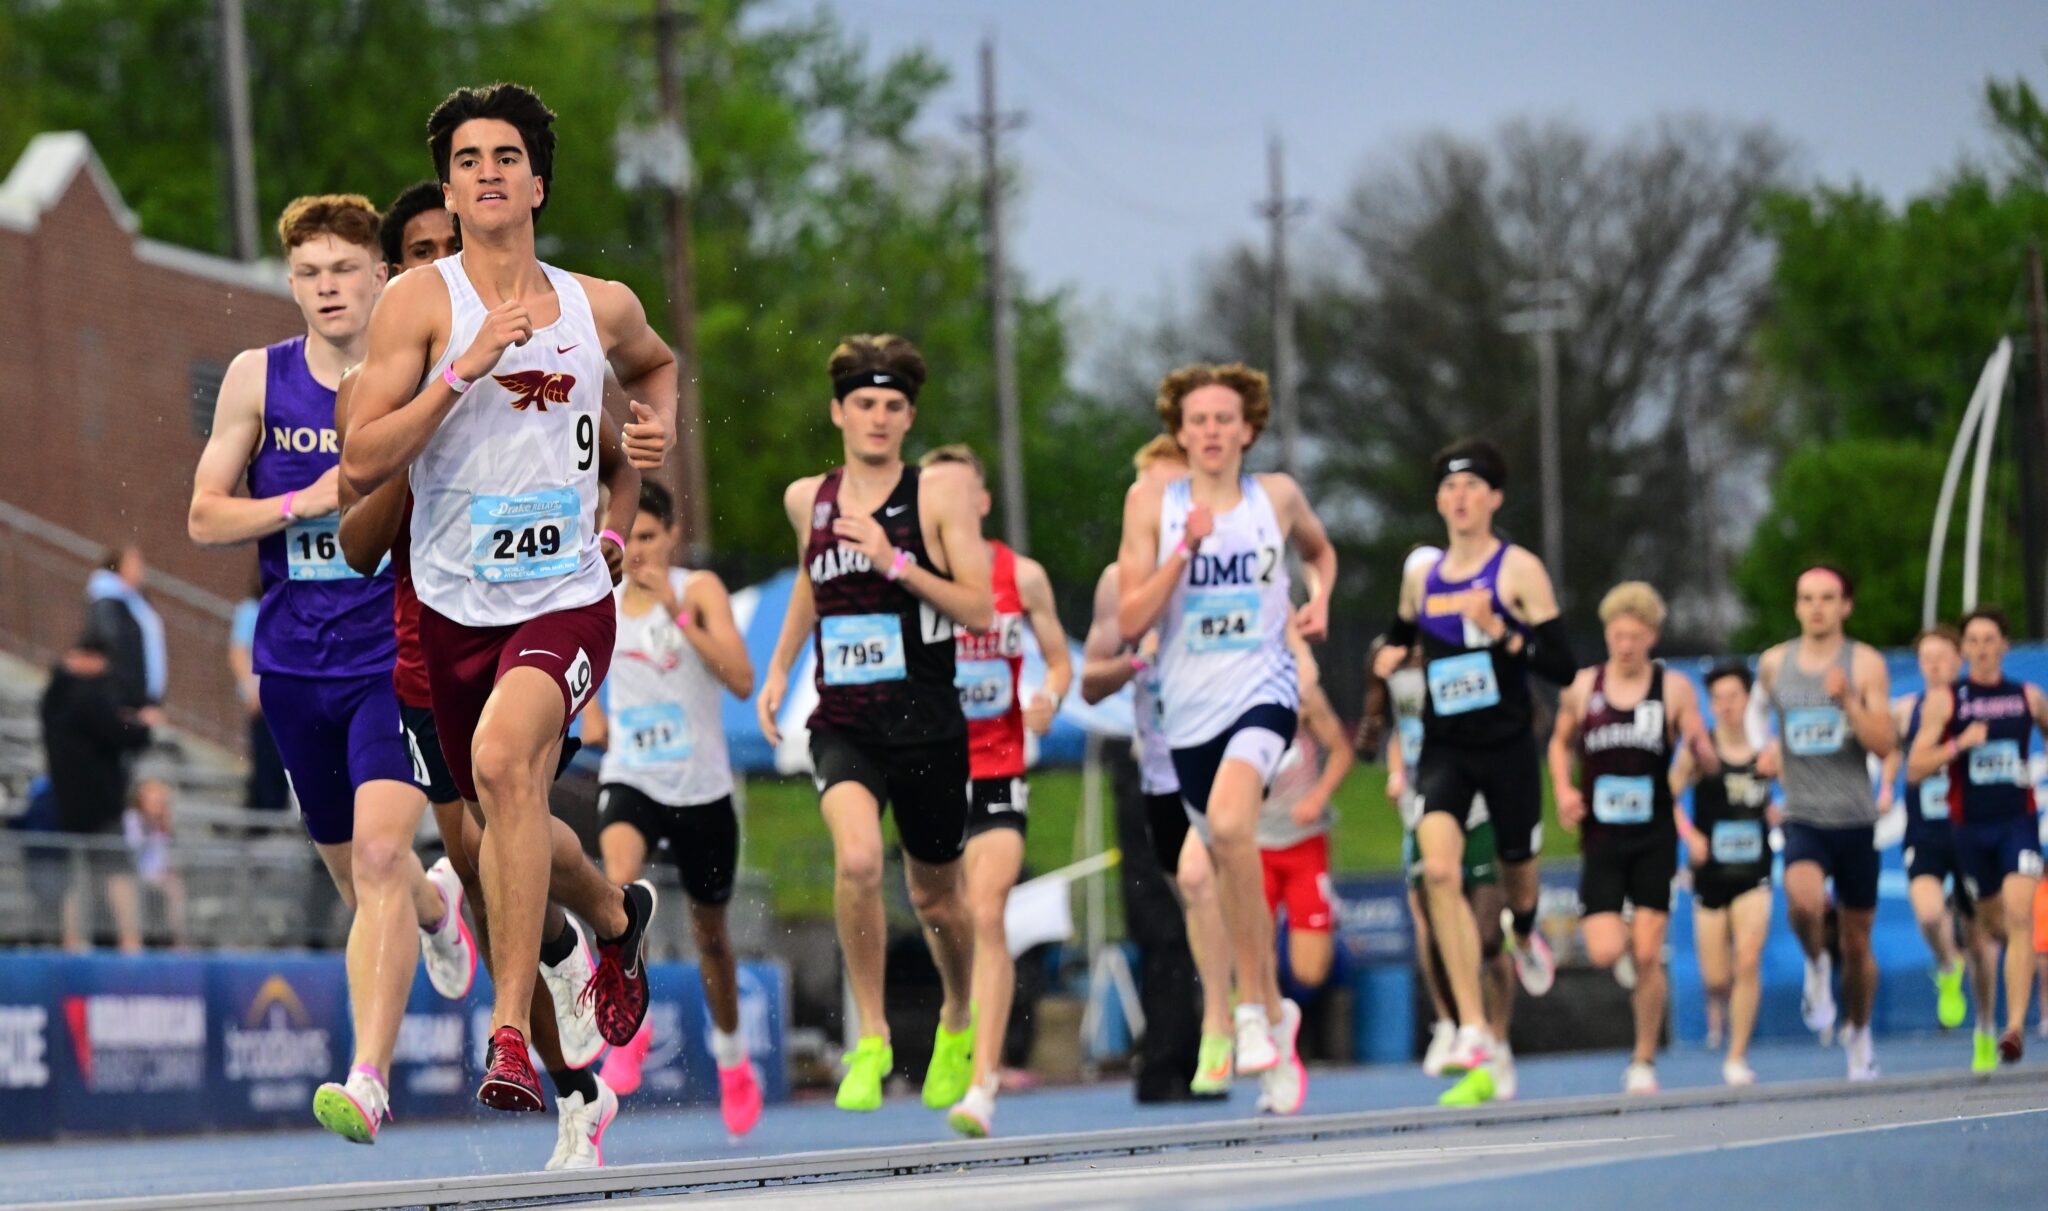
95	375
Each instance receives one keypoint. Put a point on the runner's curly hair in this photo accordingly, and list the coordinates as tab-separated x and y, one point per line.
1251	387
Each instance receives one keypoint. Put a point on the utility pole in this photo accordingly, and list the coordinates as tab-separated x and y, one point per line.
1276	210
990	124
2033	436
1546	310
237	129
687	474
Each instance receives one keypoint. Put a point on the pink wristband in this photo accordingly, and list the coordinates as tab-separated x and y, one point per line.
902	561
286	508
456	382
1181	549
1138	664
614	536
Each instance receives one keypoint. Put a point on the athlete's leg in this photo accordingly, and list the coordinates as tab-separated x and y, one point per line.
1806	906
1426	964
1750	917
854	819
1859	964
717	964
513	761
1234	801
625	852
384	941
463	839
124	899
2016	898
1980	950
994	859
1930	910
1497	983
1607	937
1310	955
937	897
1712	945
1441	838
1311	946
1208	937
1522	883
1651	992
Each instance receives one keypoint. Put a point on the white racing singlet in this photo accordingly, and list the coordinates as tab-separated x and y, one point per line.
1156	775
1223	637
504	519
1405	691
662	706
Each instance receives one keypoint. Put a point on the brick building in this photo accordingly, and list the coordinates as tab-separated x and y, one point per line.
108	374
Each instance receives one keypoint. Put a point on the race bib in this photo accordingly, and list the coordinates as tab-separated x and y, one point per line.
655	734
1458	684
312	550
1934	797
1997	763
861	649
1814	731
1619	800
986	690
1222	620
530	537
1738	842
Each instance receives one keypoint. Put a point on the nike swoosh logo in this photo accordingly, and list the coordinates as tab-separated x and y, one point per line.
893	512
537	652
560	349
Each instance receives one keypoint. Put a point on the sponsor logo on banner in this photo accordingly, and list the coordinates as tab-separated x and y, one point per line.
757	1011
276	1048
138	1043
429	1051
24	1047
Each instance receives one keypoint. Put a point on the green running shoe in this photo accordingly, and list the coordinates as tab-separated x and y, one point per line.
952	1070
1213	1070
1476	1088
1949	1003
867	1065
1984	1058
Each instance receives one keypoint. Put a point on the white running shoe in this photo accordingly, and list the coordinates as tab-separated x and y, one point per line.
1738	1073
1535	966
579	1138
1256	1051
1503	1068
1640	1078
1625	972
355	1108
1283	1089
575	1013
1441	1036
974	1115
1862	1052
1470	1048
449	952
1817	997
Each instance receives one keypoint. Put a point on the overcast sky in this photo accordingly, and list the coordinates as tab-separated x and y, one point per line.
1144	147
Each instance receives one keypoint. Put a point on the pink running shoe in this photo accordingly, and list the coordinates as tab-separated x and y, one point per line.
739	1097
621	1069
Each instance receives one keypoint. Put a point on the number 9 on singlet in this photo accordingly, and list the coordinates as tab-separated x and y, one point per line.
861	649
528	537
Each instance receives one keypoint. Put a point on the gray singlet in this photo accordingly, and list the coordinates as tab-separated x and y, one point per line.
1826	775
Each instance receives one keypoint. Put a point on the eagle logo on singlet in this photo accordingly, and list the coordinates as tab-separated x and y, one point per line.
537	387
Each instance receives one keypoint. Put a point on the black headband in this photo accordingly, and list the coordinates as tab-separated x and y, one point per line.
874	378
1482	467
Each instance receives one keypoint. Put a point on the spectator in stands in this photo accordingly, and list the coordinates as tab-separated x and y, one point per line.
147	825
267	789
88	740
128	627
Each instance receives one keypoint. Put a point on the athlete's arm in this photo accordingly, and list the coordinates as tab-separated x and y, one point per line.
217	516
1394	652
369	524
799	618
2037	706
1770	757
707	623
1106	662
645	366
393	416
1894	761
1683	772
1397	766
1564	738
1867	702
1145	581
1036	591
621	480
1684	705
962	595
1318	556
1328	730
1526	587
1931	746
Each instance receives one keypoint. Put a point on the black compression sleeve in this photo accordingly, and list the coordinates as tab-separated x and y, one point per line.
1401	632
1549	650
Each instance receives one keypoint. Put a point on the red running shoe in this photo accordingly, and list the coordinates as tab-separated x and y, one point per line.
619	985
2012	1045
509	1080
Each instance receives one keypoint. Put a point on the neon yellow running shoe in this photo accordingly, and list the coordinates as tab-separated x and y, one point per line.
952	1069
1213	1070
1949	1003
867	1065
1477	1087
1984	1057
